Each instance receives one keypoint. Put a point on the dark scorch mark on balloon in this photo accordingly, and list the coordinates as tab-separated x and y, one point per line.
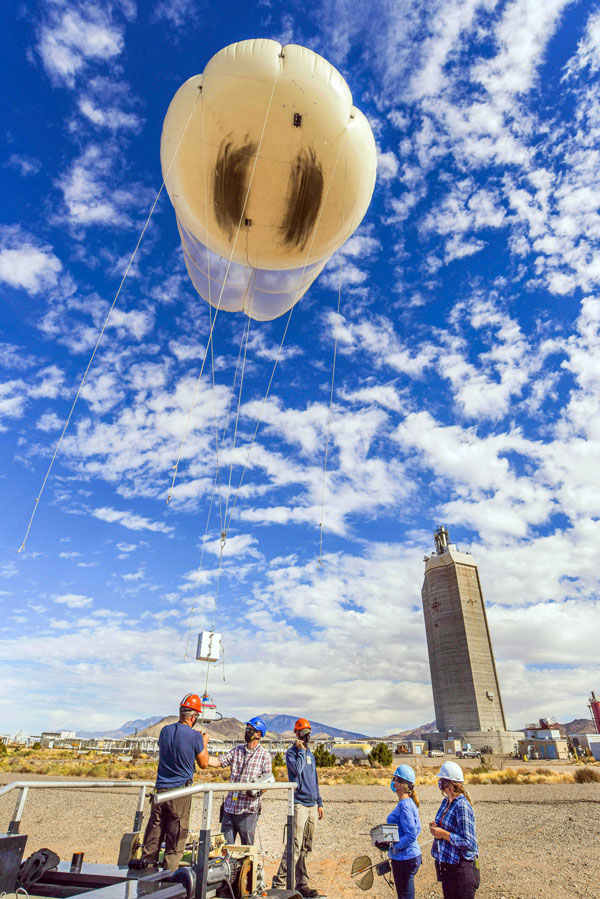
231	183
305	189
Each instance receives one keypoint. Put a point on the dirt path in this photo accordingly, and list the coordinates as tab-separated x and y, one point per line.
537	842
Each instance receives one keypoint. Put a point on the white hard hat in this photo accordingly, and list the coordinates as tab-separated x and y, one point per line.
451	771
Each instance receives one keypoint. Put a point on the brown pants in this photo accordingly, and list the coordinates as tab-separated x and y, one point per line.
305	821
170	820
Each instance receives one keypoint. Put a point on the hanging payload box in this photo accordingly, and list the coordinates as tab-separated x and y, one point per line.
209	709
209	646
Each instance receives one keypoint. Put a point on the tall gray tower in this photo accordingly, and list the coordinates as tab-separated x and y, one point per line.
466	691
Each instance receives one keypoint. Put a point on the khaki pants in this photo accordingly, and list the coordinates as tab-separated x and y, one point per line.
305	820
170	820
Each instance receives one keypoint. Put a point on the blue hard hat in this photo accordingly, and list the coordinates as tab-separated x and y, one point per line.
405	772
258	724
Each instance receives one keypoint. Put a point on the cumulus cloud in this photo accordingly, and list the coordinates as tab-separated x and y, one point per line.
588	48
467	384
73	601
13	398
72	37
88	197
513	68
26	165
130	520
26	263
174	12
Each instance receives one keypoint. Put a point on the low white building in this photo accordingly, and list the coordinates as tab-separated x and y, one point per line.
542	733
587	744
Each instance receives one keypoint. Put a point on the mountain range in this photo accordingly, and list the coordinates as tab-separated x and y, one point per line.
128	729
283	726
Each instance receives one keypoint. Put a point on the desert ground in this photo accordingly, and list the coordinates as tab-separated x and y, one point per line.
536	841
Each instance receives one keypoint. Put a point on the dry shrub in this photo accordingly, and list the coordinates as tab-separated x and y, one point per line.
519	776
587	775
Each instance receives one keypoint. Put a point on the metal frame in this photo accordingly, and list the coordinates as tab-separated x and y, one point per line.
204	845
207	788
25	785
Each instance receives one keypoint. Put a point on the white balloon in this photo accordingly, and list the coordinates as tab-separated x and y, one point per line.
270	168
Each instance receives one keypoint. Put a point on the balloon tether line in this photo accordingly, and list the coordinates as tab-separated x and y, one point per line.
215	482
104	325
218	306
308	252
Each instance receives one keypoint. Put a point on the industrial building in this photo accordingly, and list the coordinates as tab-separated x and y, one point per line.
544	742
466	691
543	748
587	745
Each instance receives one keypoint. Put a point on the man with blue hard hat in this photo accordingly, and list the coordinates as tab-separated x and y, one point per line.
249	762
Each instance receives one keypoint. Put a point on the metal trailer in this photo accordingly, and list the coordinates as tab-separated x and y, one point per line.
204	878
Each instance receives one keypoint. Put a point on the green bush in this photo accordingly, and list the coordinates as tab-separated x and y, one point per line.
323	758
381	755
3	749
278	761
483	767
587	775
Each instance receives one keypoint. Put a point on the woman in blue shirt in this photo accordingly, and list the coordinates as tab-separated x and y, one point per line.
405	855
455	847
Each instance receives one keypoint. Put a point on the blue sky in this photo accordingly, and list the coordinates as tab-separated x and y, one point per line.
466	389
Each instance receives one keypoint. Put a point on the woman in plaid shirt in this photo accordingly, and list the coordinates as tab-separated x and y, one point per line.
455	847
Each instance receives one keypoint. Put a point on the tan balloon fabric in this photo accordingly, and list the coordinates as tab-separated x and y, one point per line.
275	171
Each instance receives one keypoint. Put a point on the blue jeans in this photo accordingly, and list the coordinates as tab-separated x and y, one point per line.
404	876
243	824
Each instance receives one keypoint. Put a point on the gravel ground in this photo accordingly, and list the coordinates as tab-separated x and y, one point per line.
536	842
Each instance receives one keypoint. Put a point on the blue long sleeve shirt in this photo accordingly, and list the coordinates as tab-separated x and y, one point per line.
302	770
458	818
406	817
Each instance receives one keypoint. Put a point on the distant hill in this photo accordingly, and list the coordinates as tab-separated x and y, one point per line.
278	726
226	729
284	724
413	734
127	729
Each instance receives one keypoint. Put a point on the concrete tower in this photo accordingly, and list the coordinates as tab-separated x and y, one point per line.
466	691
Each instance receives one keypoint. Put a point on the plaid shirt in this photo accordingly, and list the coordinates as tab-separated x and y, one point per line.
458	818
246	766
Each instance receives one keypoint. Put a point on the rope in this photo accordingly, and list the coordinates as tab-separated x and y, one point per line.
259	420
256	158
104	325
215	481
307	257
237	418
235	431
335	343
212	358
226	522
194	600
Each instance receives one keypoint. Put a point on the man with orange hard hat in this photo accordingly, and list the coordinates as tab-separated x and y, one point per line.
308	808
179	748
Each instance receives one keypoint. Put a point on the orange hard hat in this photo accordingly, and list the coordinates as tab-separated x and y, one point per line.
301	724
191	701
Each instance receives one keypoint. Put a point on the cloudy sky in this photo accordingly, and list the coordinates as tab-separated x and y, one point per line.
466	387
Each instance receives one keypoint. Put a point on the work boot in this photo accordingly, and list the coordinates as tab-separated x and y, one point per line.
308	892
